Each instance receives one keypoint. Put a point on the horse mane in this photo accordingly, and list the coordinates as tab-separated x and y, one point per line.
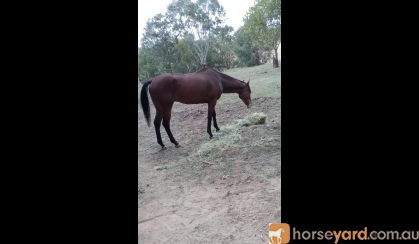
224	76
228	77
201	69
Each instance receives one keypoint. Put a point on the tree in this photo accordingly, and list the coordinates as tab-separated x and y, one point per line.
159	42
187	36
245	49
201	20
221	55
263	24
185	56
209	17
148	64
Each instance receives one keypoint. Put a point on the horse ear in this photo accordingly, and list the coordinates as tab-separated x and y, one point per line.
248	82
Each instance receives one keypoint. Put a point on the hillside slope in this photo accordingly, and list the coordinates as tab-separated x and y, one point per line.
225	194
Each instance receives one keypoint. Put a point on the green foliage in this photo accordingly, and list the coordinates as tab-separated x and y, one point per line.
157	47
263	24
187	36
186	60
192	34
246	51
148	65
221	55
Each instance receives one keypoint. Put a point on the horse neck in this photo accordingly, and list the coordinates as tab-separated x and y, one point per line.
232	85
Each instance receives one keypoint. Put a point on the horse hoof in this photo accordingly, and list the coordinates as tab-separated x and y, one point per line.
177	146
211	137
163	148
217	130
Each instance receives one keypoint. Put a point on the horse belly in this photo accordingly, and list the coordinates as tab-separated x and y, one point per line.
196	95
191	99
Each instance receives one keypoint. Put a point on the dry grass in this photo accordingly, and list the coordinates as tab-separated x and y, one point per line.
229	136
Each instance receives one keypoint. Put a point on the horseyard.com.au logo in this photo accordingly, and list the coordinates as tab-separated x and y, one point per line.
279	233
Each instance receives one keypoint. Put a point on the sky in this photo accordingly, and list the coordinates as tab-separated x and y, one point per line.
235	11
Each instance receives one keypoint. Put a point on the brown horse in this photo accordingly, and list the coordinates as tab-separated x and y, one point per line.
203	86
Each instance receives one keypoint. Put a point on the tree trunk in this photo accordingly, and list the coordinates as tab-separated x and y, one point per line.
275	59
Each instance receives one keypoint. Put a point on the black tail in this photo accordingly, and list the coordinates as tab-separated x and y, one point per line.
144	101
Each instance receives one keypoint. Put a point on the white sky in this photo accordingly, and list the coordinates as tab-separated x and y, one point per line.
235	11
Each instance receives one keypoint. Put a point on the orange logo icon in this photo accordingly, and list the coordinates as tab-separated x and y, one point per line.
279	233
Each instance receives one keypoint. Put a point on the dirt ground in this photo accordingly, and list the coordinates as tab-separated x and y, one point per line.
227	198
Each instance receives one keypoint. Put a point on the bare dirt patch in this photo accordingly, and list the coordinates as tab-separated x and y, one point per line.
228	196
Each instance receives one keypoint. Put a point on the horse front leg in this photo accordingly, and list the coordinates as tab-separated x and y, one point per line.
209	125
211	106
215	121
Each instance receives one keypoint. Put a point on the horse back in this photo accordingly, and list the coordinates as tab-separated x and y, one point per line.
188	88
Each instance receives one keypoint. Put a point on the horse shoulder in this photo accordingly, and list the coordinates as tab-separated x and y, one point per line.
220	85
216	81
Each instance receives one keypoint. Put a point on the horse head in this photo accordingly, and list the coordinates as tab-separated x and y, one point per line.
244	94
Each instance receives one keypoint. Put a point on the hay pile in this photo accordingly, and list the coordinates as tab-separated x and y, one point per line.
229	135
253	119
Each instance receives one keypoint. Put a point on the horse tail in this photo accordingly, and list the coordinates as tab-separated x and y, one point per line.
145	104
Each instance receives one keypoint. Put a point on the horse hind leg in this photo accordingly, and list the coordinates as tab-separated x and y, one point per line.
157	124
166	125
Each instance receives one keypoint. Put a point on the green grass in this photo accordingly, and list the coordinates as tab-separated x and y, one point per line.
265	81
